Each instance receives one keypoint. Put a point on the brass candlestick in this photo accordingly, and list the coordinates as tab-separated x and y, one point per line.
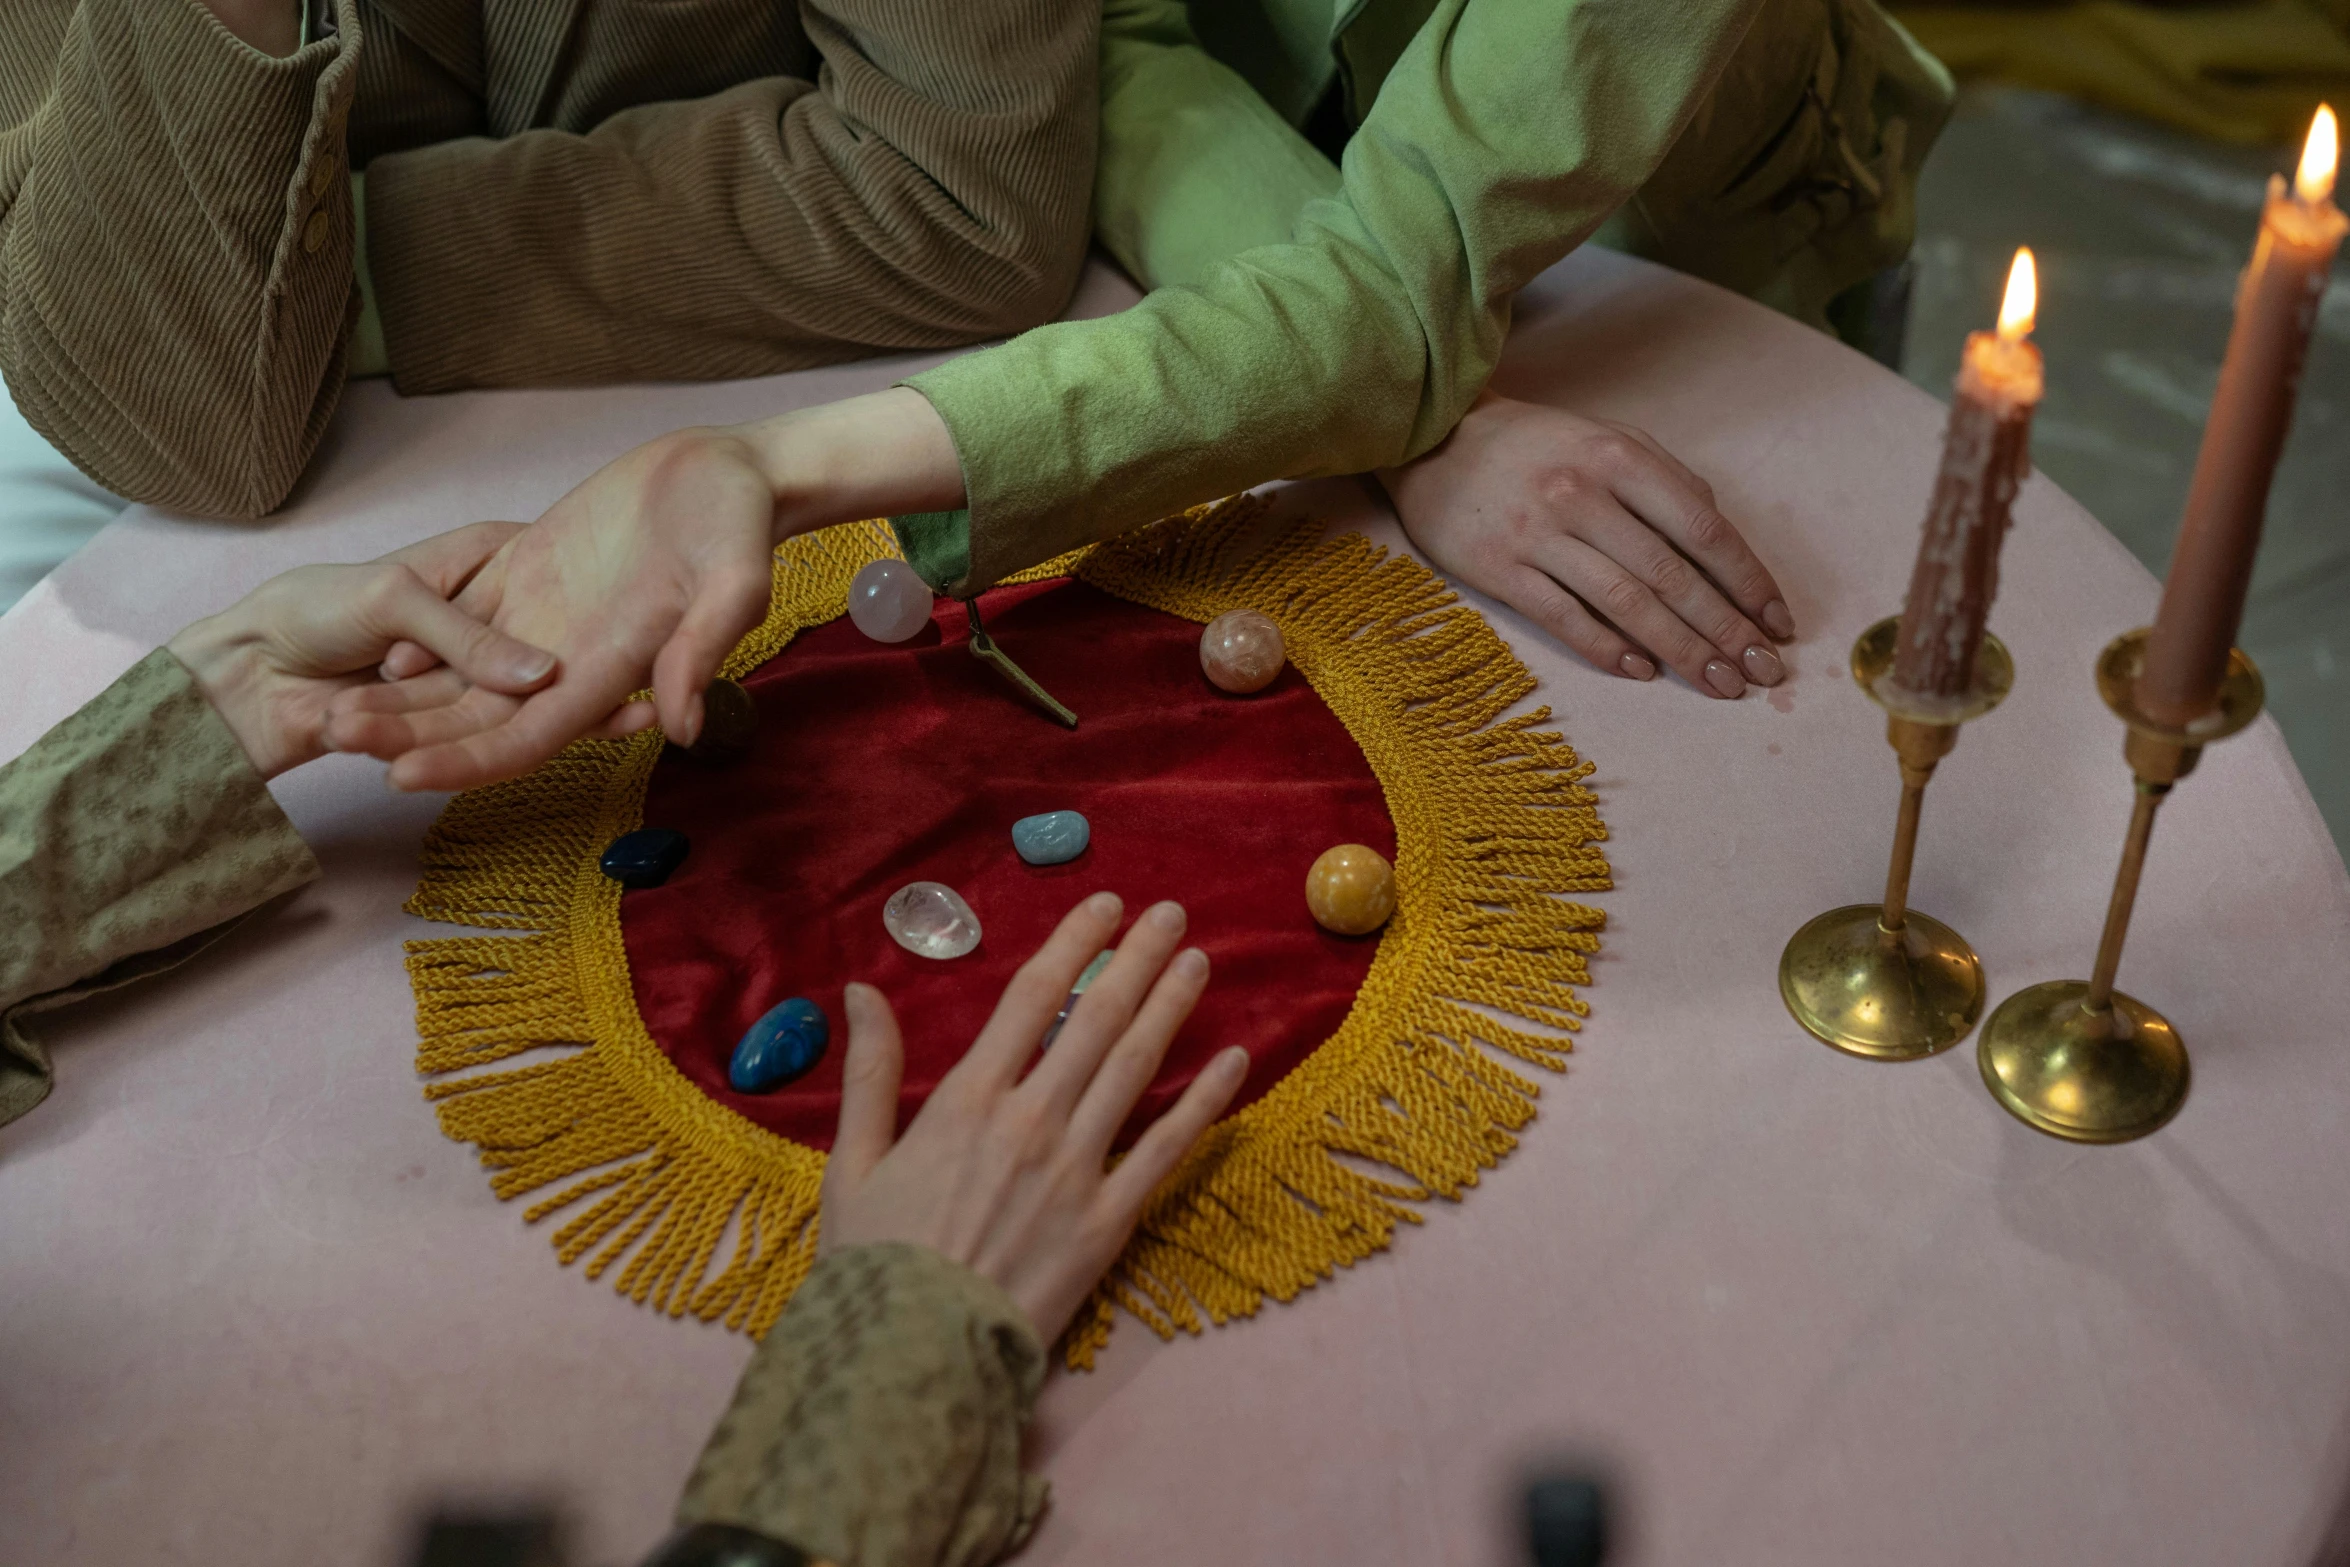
1879	979
2078	1059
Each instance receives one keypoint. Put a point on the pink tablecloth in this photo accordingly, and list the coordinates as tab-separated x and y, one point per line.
254	1310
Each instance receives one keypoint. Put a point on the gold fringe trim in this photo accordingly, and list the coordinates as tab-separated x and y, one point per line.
1408	1101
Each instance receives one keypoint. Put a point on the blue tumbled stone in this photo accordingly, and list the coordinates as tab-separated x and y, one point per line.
779	1047
1051	839
644	858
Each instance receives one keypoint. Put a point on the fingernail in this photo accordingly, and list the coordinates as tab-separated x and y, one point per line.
536	667
1104	905
1233	1060
1191	962
1167	916
1777	621
1723	678
1637	667
1762	666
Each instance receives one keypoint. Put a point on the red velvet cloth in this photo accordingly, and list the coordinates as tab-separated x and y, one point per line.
878	765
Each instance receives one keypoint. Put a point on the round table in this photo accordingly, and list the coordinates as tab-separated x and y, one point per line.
1804	1308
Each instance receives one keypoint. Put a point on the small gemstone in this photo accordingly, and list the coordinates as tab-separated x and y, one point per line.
1351	890
730	722
644	858
1054	838
931	920
889	601
1241	650
782	1045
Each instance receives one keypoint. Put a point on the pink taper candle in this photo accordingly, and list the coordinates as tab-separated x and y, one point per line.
1985	456
2276	311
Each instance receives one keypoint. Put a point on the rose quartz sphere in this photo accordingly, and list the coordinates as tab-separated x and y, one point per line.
888	601
1241	651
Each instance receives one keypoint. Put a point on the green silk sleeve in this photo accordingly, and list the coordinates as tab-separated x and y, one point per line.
1502	136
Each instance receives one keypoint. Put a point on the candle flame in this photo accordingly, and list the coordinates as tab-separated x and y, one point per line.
2319	155
2023	298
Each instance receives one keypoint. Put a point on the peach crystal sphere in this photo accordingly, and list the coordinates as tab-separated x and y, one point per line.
1351	890
1241	651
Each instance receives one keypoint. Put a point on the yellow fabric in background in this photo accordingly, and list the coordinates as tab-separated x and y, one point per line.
2251	73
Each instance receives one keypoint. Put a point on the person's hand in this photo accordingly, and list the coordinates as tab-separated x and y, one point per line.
273	662
648	573
1600	536
657	565
1008	1174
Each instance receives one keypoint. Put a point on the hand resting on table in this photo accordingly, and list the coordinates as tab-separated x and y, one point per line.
1005	1170
1597	534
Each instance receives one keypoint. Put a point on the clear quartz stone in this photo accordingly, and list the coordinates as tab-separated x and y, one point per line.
1241	651
931	920
888	601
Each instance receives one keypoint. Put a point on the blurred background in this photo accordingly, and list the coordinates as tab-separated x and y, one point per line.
2130	145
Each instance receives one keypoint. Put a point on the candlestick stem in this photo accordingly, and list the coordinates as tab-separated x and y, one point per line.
2125	895
1880	979
1905	845
2078	1059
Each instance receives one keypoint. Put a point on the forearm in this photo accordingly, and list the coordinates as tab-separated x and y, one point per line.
198	366
882	454
135	826
932	190
879	1422
1195	167
1503	136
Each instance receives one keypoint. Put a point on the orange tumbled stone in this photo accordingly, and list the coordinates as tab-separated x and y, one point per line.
1351	890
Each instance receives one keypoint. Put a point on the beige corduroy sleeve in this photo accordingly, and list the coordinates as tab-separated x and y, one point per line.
175	246
130	836
931	188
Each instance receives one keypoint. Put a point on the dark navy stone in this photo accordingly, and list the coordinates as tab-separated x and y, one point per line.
645	858
1051	839
779	1047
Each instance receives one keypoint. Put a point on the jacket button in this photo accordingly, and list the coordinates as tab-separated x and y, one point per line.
314	234
322	176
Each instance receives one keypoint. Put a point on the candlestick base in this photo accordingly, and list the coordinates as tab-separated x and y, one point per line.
1881	980
2087	1077
2108	1073
1886	995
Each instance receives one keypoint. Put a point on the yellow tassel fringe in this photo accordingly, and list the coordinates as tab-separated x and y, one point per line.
1493	823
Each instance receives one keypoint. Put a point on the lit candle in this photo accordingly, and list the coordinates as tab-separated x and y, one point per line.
2276	310
1985	455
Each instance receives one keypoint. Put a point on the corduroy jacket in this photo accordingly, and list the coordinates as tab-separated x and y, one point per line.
556	192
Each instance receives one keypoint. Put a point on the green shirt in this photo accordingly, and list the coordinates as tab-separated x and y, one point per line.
1310	320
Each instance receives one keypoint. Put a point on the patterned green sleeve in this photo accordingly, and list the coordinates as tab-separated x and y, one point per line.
1502	136
129	835
879	1422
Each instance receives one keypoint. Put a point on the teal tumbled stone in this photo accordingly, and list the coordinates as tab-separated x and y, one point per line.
784	1043
1054	838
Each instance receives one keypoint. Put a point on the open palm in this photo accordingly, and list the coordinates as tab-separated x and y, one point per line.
647	574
